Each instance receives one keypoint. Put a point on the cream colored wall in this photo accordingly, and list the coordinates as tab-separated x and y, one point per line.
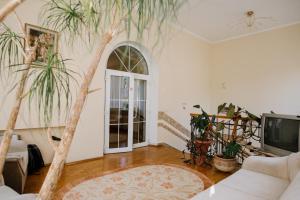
180	77
259	72
184	76
167	65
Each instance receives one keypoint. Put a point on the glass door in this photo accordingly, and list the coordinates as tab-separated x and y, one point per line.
139	113
118	109
125	111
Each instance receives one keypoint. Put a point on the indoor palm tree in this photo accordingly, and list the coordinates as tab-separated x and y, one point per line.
50	80
8	8
104	20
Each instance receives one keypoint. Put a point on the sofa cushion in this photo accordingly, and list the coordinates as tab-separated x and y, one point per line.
258	184
293	165
293	190
6	192
222	192
273	166
24	197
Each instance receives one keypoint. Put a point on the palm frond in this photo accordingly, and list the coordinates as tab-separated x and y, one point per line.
79	17
11	48
50	90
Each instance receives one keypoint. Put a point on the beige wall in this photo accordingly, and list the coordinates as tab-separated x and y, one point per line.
184	76
179	70
260	72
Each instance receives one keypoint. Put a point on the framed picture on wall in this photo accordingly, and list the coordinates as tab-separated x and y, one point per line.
43	40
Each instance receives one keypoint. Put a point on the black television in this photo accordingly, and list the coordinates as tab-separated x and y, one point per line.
280	134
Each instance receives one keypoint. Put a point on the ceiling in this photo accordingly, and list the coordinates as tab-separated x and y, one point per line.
218	20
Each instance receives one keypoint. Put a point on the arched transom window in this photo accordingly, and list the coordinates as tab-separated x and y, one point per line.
129	59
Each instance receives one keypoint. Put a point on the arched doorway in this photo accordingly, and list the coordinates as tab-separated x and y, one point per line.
126	106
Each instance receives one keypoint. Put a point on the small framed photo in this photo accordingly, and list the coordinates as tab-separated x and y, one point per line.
44	40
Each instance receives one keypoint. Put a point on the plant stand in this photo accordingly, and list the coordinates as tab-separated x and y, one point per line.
201	149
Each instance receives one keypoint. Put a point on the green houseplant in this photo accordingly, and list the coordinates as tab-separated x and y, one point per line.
242	119
200	142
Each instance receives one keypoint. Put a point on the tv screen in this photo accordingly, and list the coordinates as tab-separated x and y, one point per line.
282	133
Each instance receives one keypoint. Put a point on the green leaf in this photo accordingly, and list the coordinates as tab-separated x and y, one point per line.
11	48
253	117
220	126
221	107
86	18
50	87
197	106
231	110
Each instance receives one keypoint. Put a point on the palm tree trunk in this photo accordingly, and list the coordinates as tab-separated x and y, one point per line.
8	8
13	118
60	156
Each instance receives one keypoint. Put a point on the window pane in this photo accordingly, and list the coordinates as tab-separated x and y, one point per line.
114	112
126	58
114	87
140	68
142	132
124	88
114	63
123	55
135	57
135	133
139	89
124	112
139	132
123	142
113	136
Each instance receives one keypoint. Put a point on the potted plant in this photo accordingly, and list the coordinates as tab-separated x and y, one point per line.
201	138
227	160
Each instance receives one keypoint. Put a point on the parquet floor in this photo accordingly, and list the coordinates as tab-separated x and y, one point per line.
161	154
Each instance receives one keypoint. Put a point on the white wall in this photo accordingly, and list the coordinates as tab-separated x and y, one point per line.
184	76
181	62
259	72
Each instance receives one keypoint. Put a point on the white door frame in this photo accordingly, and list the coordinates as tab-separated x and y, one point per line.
132	77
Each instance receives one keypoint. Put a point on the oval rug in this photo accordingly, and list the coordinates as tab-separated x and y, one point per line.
149	182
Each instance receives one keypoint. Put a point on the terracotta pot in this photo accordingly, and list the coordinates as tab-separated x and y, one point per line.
202	149
224	165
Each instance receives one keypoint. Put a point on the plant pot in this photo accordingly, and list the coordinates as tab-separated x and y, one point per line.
224	165
202	149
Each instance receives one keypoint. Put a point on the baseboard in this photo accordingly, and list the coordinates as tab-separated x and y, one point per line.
82	161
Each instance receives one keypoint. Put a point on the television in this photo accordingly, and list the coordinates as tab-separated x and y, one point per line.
280	134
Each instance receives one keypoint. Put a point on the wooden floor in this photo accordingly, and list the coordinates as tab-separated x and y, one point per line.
146	155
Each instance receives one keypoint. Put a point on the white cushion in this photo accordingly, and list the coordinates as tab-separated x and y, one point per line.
6	193
293	165
293	191
221	192
24	197
258	184
246	185
275	166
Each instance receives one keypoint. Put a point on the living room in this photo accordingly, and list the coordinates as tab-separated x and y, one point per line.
139	103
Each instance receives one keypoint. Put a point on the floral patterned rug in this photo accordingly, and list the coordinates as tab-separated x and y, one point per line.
151	182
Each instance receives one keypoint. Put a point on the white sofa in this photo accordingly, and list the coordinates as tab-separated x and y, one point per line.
7	193
261	178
